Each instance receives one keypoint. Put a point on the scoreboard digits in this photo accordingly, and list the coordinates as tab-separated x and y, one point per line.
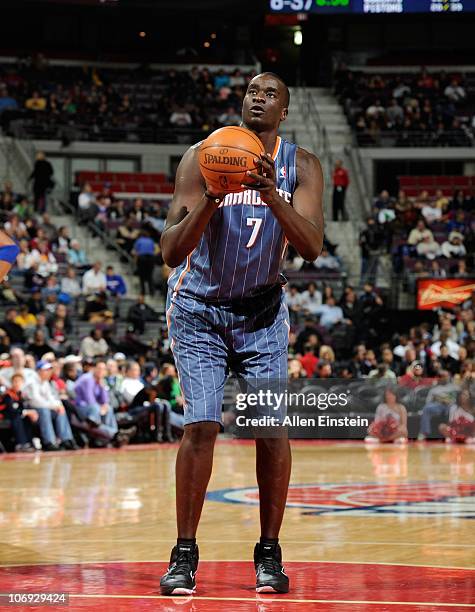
371	6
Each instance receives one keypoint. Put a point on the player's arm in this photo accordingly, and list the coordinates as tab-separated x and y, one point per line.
303	221
8	253
190	211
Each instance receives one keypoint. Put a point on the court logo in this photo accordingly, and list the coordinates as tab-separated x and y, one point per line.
436	498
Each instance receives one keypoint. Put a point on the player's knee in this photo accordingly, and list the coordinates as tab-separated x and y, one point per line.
201	435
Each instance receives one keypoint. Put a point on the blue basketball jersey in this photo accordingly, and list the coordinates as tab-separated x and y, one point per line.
243	247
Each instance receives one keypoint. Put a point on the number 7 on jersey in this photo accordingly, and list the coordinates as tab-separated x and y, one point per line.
256	222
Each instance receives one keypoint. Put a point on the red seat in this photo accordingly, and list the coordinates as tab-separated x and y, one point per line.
426	181
132	188
445	180
157	177
150	188
408	181
167	188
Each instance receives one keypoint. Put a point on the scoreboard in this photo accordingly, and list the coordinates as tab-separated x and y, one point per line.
330	7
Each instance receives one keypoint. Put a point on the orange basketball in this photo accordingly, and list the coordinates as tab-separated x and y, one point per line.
225	157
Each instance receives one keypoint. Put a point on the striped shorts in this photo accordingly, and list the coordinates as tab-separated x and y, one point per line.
247	337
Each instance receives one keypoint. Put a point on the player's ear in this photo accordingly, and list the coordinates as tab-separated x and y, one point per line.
283	114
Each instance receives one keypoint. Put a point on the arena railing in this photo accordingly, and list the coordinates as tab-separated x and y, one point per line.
416	138
150	135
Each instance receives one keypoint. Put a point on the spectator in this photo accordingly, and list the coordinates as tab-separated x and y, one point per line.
431	212
42	177
414	377
390	422
49	229
14	331
311	299
7	102
394	114
94	280
309	359
455	92
371	243
428	248
25	319
70	285
38	345
230	117
20	416
18	363
382	371
144	251
115	283
62	242
76	256
180	118
296	369
453	247
132	382
341	180
437	404
127	235
36	102
444	340
294	301
419	233
326	261
52	414
329	313
139	313
86	204
35	302
94	345
96	309
324	369
93	408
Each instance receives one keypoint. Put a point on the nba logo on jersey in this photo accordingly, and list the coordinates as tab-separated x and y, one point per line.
283	173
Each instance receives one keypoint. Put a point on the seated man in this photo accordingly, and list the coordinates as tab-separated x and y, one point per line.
438	402
52	414
95	415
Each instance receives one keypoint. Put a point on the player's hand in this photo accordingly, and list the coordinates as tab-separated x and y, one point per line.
264	178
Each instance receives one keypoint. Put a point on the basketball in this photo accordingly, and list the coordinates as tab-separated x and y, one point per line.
226	155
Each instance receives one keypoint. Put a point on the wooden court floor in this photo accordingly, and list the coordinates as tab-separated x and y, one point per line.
366	528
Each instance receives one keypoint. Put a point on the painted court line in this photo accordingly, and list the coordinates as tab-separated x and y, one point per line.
282	600
49	540
321	561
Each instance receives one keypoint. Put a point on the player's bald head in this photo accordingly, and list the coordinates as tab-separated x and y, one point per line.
282	86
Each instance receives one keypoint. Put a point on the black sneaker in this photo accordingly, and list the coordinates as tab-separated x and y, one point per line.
180	576
270	575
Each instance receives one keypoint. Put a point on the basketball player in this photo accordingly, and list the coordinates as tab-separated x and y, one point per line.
8	253
226	305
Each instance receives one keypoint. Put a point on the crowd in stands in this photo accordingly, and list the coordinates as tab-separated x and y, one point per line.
423	109
73	103
426	236
432	366
75	366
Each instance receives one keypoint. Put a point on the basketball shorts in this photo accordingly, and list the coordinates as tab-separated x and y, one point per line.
248	338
